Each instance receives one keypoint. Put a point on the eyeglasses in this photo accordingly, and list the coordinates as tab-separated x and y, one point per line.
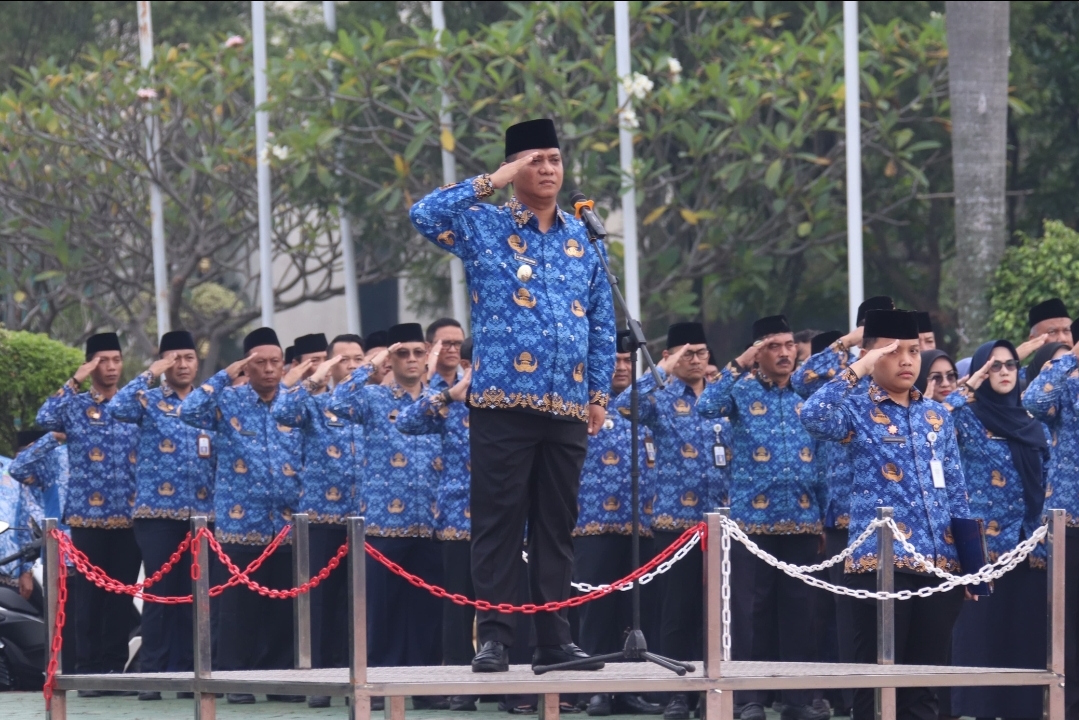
454	344
404	353
701	354
939	378
998	365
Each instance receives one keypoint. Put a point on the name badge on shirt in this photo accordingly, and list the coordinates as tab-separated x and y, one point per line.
719	456
204	447
650	450
936	467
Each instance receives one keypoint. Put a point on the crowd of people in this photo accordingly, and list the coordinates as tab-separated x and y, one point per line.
461	455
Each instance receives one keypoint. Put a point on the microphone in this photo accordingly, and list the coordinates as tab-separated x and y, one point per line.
583	209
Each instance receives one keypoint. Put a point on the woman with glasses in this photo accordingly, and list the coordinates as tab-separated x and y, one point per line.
938	377
1005	454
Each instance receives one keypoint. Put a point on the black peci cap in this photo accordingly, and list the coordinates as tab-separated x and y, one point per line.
100	343
466	349
771	325
259	337
377	339
877	302
685	333
891	324
176	340
313	343
405	332
24	438
290	354
531	135
925	323
1048	310
823	340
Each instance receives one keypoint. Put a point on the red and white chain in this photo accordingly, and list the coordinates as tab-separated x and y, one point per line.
647	577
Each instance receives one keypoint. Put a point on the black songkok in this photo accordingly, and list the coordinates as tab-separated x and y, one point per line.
377	339
925	323
685	333
28	437
1048	310
258	338
877	302
622	341
316	342
823	340
405	332
101	342
176	340
290	354
771	325
466	349
891	324
531	135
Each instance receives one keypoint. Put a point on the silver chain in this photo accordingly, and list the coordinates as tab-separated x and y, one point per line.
725	593
647	577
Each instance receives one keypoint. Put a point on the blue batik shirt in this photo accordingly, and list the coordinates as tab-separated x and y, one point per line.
401	472
605	498
257	485
430	416
545	343
776	487
994	485
17	505
333	454
1053	398
833	458
687	484
171	480
43	466
101	458
891	454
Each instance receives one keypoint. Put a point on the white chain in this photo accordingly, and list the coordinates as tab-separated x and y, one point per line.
647	577
725	571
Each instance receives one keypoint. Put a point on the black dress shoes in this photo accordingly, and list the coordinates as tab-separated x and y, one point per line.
629	704
466	703
492	657
555	654
430	702
677	708
318	701
241	698
150	695
599	705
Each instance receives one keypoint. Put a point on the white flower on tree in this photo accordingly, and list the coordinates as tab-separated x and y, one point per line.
146	93
674	67
628	119
637	85
234	41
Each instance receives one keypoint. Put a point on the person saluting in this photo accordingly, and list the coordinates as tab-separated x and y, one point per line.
543	355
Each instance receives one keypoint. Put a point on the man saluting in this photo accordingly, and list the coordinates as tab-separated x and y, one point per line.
543	355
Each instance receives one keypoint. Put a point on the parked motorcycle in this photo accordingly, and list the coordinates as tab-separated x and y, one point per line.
23	641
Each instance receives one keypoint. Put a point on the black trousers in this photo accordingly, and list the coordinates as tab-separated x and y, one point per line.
457	647
771	612
329	601
404	623
103	619
835	542
602	559
923	629
526	470
681	623
166	629
254	631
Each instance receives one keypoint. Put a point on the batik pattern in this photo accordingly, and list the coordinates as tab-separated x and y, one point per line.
17	505
1053	398
605	499
44	467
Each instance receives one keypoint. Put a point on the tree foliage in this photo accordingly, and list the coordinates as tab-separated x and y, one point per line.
34	367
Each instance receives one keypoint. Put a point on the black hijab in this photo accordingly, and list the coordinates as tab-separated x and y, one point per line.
1005	416
928	358
1045	354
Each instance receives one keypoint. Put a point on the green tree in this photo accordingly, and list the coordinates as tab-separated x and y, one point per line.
32	368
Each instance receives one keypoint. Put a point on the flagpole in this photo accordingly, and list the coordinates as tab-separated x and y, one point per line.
625	152
262	130
852	106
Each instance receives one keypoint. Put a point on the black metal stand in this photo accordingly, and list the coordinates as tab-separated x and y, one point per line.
636	647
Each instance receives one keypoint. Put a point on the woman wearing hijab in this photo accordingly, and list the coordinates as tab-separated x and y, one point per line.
938	376
1005	452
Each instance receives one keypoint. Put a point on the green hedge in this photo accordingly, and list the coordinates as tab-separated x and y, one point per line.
32	367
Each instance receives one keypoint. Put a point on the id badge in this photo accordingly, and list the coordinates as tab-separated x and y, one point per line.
936	467
650	451
719	456
204	448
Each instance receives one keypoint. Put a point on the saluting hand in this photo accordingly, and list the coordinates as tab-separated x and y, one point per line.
235	369
977	378
297	373
459	392
853	338
85	369
159	366
1031	346
504	175
380	357
865	364
668	363
432	359
319	376
749	358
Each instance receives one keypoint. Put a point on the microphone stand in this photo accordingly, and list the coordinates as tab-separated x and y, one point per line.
636	647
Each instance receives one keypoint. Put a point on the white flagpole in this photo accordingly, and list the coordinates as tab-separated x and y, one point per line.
352	290
625	152
262	129
458	291
852	81
157	213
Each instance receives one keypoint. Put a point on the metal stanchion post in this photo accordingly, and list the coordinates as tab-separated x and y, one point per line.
885	697
52	602
205	703
1055	548
301	573
718	704
360	707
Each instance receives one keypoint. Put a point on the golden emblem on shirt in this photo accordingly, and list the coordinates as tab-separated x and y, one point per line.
333	494
805	455
97	499
446	238
577	308
239	466
904	530
996	479
688	499
516	243
892	472
236	424
475	297
166	489
283	428
392	416
436	464
1047	387
398	460
525	363
610	458
878	416
396	506
287	470
847	440
948	539
524	298
758	408
207	388
333	452
992	528
688	451
761	454
578	372
804	502
202	493
468	511
933	418
131	457
236	511
681	407
93	412
573	248
760	502
809	376
167	446
611	504
96	455
143	400
164	406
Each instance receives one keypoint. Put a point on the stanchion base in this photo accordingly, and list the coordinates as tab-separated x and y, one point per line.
635	650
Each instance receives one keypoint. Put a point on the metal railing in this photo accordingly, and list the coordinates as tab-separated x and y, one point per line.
718	679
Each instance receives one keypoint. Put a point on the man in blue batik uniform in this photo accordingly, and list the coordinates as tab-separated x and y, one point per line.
905	456
692	477
101	493
173	481
778	497
256	488
17	505
333	452
543	328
